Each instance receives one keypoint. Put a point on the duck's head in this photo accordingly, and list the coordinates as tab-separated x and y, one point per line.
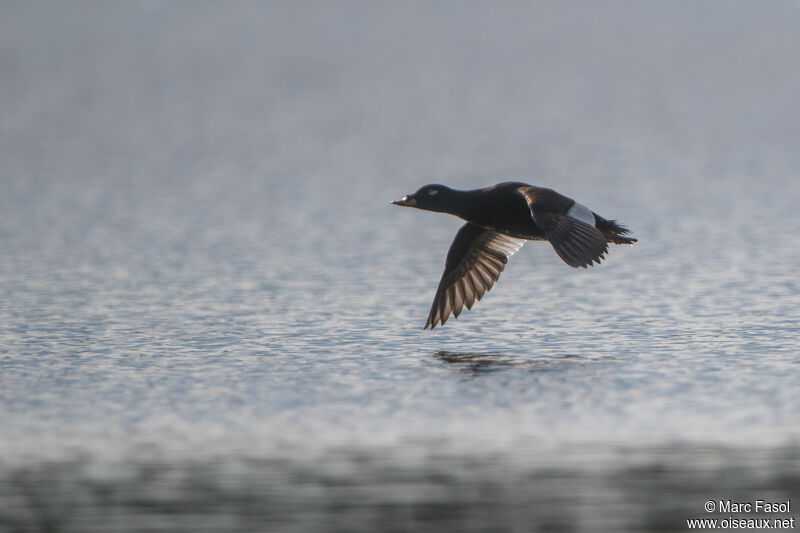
432	197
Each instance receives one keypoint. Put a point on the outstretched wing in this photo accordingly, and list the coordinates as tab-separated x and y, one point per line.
474	262
568	225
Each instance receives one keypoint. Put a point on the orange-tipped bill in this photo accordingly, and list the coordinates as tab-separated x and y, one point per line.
408	201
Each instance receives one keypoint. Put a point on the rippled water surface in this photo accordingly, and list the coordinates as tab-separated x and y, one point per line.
211	316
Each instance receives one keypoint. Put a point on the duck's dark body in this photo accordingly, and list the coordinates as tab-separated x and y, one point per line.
507	213
500	219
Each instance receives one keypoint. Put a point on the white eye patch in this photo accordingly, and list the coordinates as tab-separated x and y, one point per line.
431	192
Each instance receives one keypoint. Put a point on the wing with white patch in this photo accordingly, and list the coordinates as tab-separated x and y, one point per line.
474	262
582	213
578	244
568	225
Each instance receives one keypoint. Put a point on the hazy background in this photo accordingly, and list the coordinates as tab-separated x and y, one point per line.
210	315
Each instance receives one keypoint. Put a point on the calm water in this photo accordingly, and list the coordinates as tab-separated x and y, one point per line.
211	317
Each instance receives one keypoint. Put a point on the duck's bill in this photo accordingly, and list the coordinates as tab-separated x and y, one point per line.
407	201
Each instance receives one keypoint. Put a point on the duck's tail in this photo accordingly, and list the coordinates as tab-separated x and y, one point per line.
612	231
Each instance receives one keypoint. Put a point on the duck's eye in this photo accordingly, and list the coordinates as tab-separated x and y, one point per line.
431	192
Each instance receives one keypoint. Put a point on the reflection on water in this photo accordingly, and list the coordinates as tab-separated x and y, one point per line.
478	362
492	362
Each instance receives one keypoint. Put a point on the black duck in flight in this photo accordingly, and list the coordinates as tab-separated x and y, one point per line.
500	219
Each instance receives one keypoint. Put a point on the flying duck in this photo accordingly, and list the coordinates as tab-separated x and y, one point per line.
500	219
